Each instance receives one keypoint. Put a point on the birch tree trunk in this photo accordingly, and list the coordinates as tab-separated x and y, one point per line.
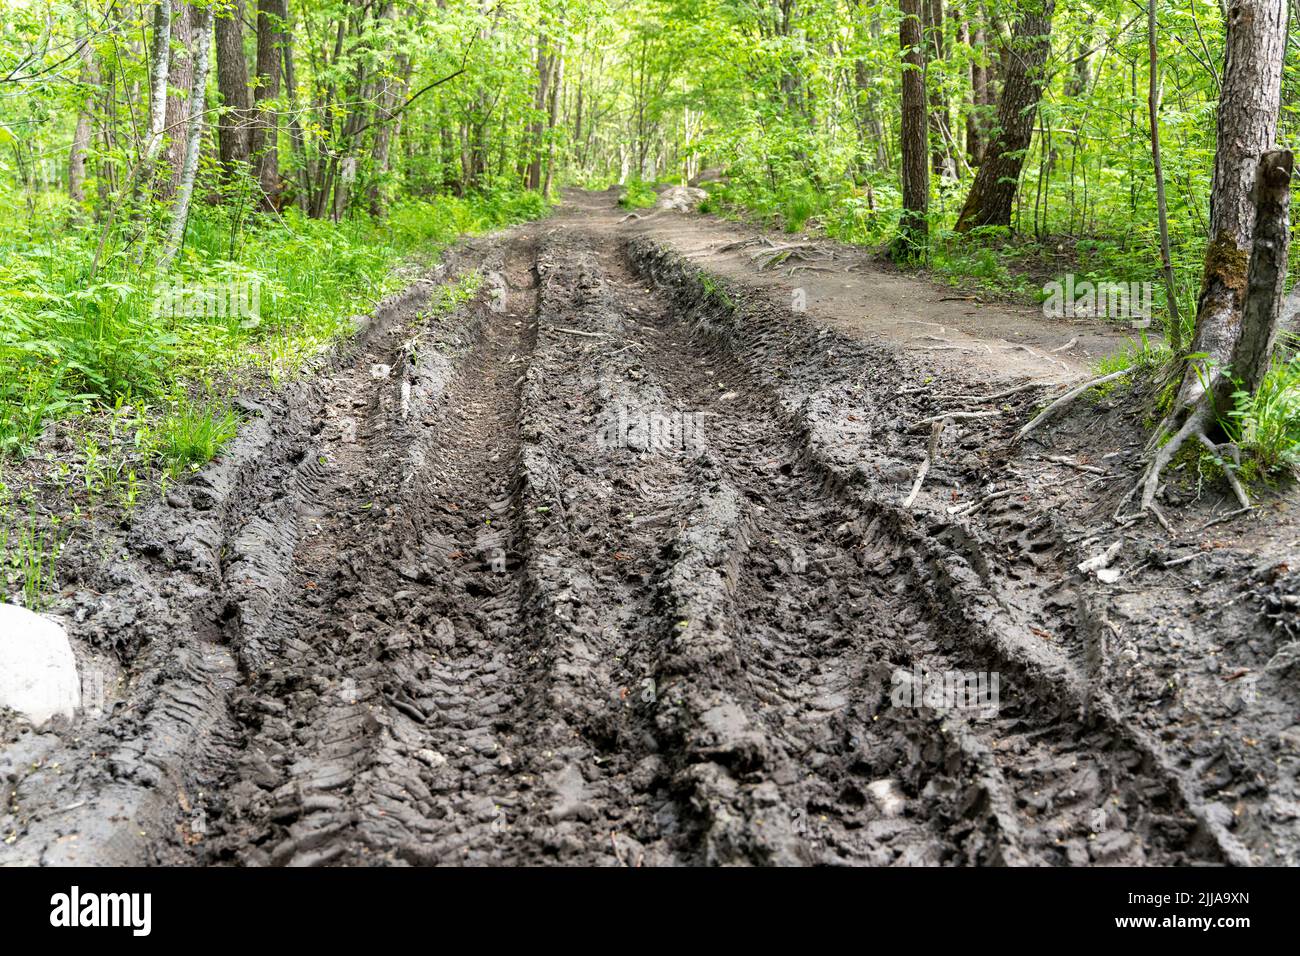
193	140
158	75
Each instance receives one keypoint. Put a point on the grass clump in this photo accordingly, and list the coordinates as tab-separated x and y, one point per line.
193	434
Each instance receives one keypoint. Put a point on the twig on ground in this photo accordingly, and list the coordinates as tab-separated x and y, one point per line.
931	451
1227	517
960	511
1005	393
1062	460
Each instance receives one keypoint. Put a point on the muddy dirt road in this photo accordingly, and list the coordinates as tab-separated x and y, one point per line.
608	565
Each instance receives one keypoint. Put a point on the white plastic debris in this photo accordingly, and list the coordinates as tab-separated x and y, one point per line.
1102	560
38	672
888	797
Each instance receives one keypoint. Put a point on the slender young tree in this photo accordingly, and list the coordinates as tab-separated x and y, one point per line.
1174	332
202	37
81	137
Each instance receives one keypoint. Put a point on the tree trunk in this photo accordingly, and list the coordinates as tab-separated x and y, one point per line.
1249	99
941	162
271	16
158	74
193	140
1266	276
994	191
1245	261
557	84
81	137
979	96
297	137
233	134
1174	332
913	226
394	91
544	63
180	78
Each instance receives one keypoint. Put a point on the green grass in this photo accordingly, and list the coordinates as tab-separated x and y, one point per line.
72	343
1266	425
193	435
141	376
1142	355
29	554
638	195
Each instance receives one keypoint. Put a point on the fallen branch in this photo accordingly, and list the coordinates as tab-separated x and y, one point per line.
931	451
960	511
1062	460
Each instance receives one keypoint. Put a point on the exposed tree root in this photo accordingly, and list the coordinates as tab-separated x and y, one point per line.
1194	426
1065	399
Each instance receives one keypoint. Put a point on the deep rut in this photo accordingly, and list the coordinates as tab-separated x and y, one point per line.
585	569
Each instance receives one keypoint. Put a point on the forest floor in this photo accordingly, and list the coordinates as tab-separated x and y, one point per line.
614	565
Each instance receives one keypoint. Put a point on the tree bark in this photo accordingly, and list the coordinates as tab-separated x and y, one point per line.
1267	273
979	95
81	137
193	140
544	66
1174	331
233	134
941	162
158	73
271	16
913	226
180	78
994	191
1249	99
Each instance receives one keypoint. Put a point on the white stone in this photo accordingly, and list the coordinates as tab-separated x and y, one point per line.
38	673
681	198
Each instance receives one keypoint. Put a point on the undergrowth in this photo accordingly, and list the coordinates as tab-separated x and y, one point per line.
141	367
